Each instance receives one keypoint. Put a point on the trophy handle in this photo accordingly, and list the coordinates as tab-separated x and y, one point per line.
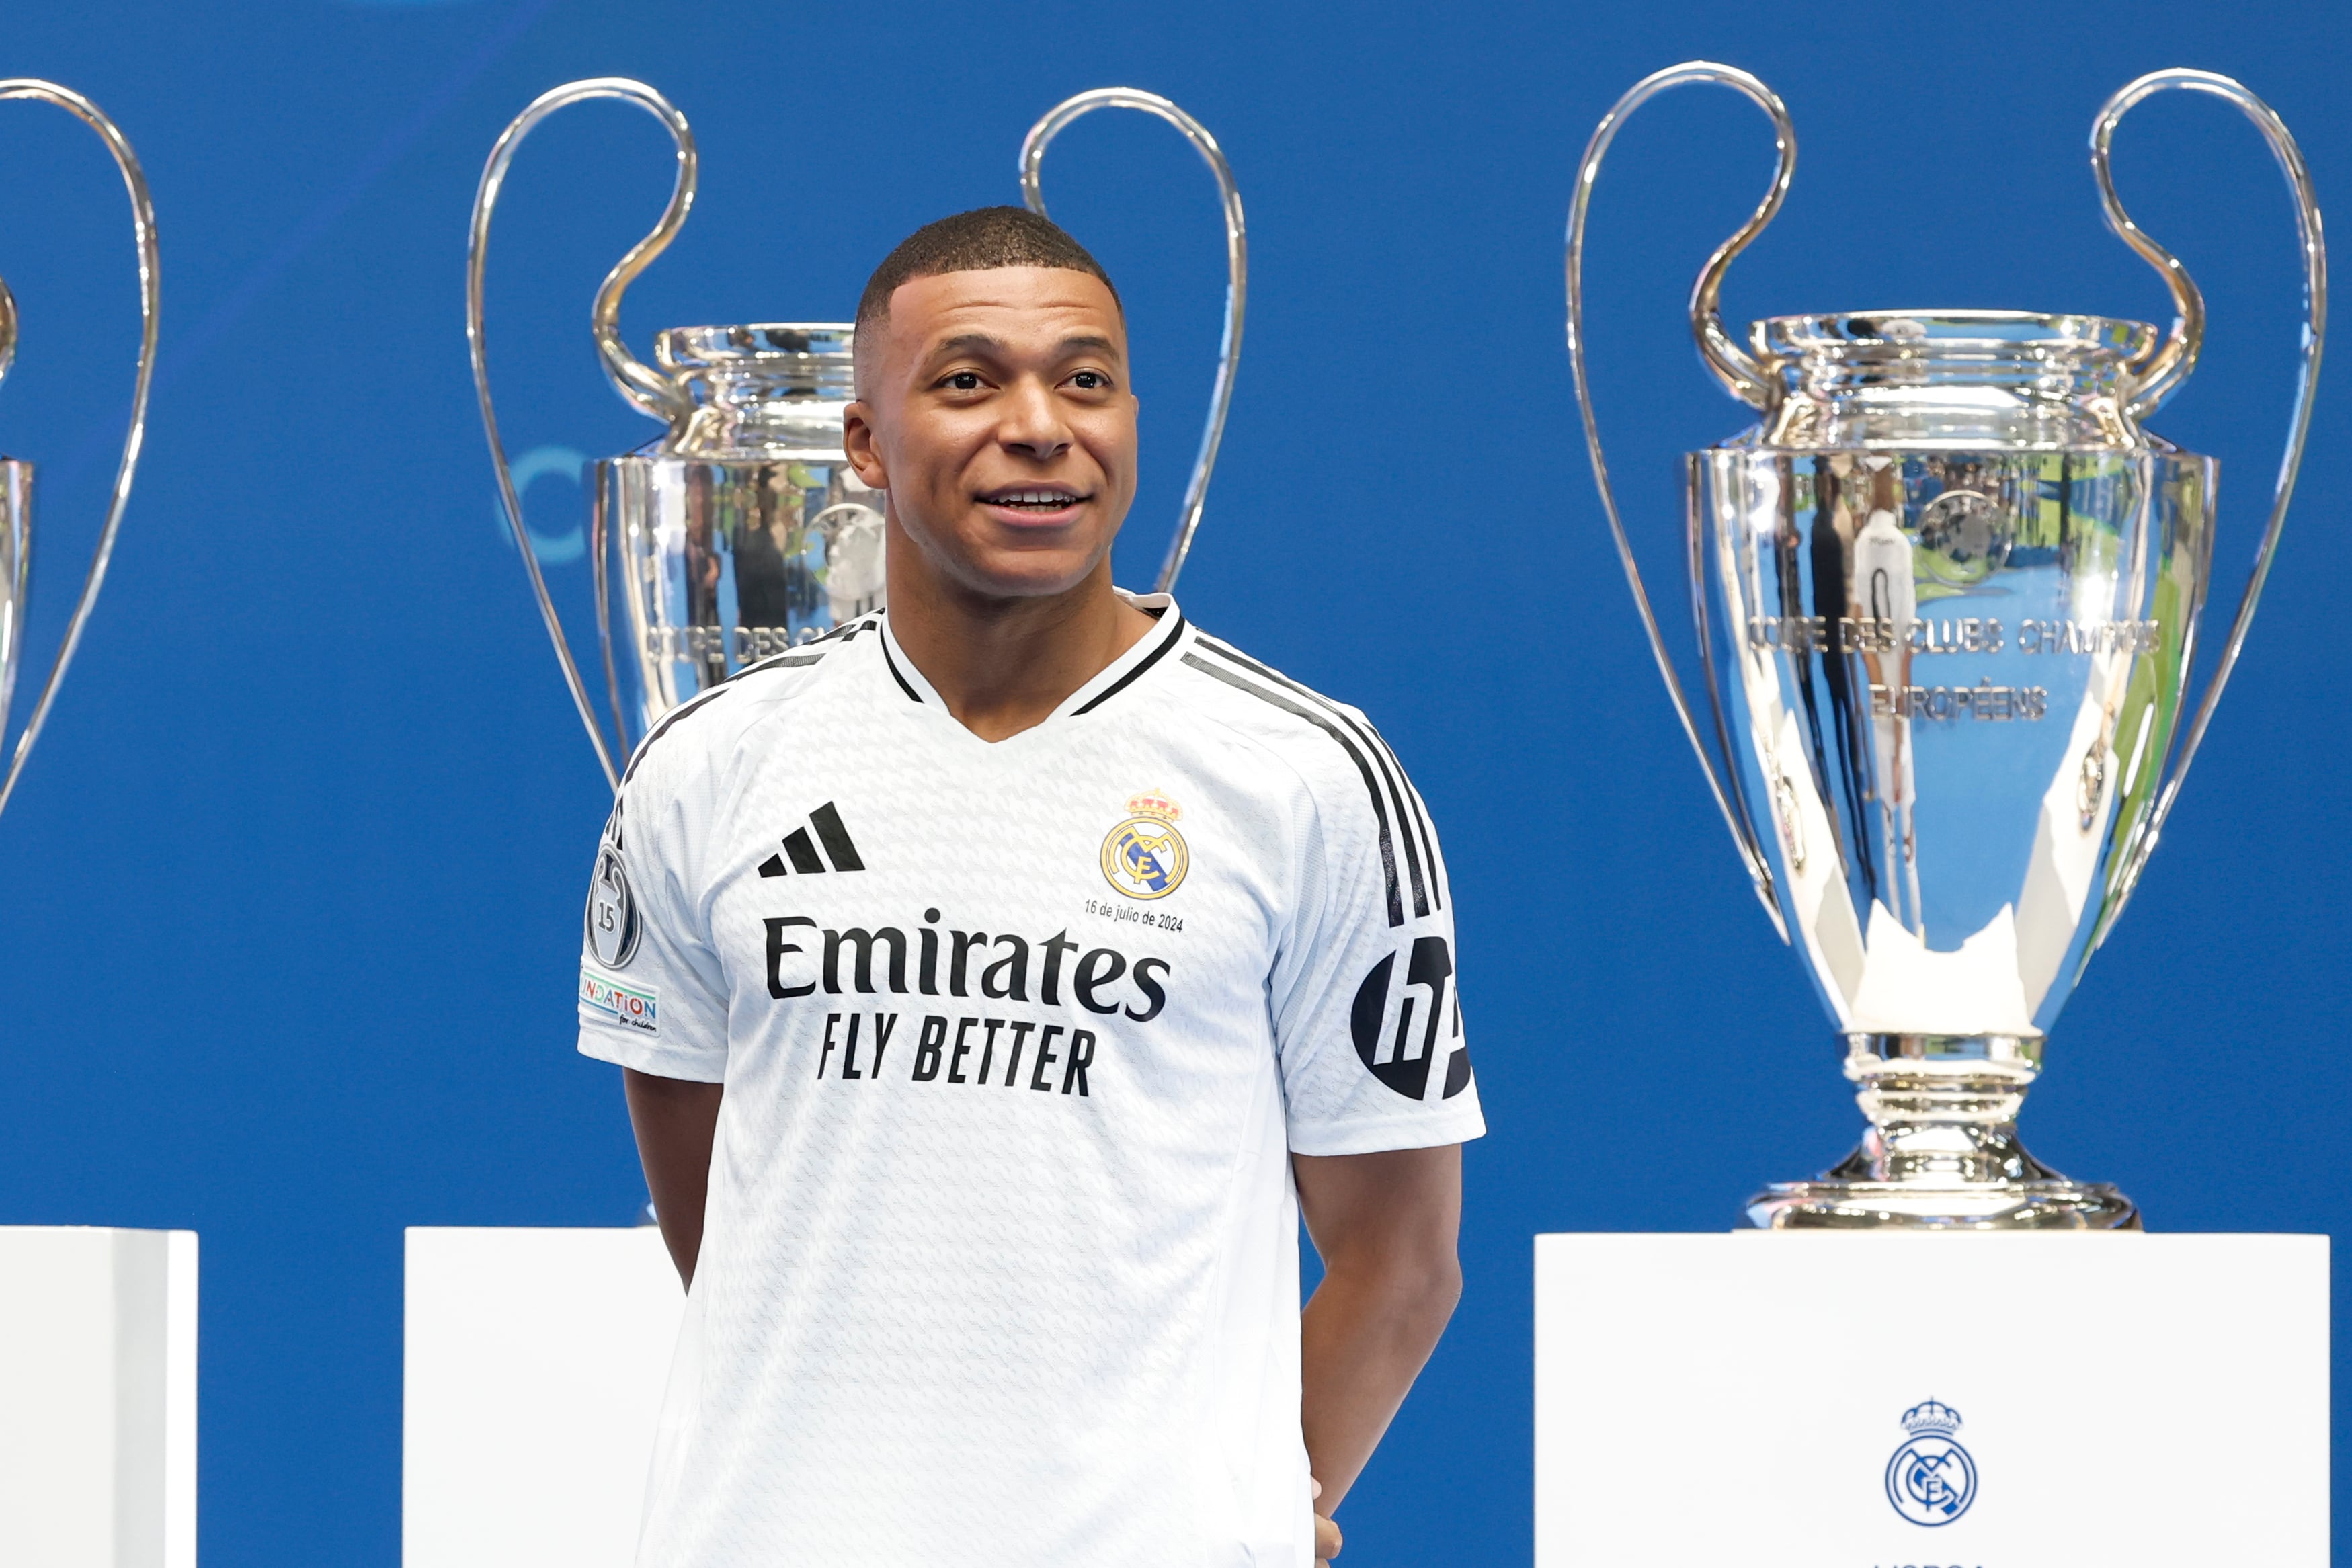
2158	374
646	387
142	229
1229	348
1742	374
1739	374
2163	373
16	558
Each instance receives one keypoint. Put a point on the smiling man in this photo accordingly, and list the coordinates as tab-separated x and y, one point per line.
1018	967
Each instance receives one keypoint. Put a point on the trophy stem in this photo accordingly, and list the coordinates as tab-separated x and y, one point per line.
1942	1151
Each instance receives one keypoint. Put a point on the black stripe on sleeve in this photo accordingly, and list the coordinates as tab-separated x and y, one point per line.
1391	771
693	704
1372	784
1415	807
797	659
1437	878
781	661
1136	673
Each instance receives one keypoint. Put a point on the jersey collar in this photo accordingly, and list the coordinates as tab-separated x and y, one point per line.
1114	678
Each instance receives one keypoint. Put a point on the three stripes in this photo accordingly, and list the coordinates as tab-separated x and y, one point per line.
830	832
1374	762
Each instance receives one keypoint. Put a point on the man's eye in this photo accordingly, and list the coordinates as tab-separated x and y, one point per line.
1090	381
964	381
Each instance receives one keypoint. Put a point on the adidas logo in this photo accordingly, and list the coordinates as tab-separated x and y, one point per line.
800	850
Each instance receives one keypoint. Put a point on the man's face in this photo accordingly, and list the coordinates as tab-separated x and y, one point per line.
996	411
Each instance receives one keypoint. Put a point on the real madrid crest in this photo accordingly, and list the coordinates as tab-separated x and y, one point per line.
1144	856
1931	1479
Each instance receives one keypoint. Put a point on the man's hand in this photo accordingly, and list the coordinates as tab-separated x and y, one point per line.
1327	1535
1386	1225
675	1123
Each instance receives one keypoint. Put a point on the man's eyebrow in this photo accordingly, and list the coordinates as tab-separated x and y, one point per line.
981	343
966	343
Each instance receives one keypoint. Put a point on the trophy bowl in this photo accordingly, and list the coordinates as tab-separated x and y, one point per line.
743	533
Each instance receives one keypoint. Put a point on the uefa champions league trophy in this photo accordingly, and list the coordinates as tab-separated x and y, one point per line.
1954	596
16	477
741	532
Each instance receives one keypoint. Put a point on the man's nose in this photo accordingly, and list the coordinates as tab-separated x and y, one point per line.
1032	424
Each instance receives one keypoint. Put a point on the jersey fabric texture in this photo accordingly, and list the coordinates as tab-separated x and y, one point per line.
1000	1267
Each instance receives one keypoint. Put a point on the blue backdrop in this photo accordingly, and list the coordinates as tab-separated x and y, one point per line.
293	885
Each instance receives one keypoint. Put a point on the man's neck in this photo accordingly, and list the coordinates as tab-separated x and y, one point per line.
1004	665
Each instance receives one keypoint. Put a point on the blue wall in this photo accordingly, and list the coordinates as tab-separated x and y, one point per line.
292	887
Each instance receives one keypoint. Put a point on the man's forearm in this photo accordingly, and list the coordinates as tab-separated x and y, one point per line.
1365	1336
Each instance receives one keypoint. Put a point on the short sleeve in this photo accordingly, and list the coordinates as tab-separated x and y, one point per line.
1367	1013
652	994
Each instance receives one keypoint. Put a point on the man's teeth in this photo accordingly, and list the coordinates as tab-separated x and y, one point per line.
1043	500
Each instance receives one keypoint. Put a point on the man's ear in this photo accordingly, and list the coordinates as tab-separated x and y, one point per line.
857	443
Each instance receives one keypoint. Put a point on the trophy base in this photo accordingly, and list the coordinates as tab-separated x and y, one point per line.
1826	1203
1942	1152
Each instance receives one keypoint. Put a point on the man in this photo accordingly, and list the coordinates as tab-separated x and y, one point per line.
1008	972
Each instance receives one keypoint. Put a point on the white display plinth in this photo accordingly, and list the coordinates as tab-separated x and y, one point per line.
98	1397
2155	1400
535	1365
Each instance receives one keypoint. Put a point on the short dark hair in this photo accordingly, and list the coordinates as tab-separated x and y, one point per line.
976	241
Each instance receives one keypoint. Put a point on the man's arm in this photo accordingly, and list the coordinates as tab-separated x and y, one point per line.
1386	1225
676	1121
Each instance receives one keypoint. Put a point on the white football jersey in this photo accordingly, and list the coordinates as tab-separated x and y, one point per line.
999	1268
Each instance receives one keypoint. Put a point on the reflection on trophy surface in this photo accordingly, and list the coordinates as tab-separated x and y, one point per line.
741	532
1948	591
17	477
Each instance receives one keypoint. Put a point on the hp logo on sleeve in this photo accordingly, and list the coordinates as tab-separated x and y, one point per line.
1401	1030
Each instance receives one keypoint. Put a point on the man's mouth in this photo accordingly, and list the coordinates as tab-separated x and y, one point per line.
1042	500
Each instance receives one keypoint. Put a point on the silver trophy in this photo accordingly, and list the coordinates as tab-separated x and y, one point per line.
1947	592
16	477
741	532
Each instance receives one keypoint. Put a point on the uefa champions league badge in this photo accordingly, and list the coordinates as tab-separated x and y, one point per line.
612	928
1931	1479
1145	856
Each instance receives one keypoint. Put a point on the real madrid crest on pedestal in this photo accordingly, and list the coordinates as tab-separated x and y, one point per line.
1931	1479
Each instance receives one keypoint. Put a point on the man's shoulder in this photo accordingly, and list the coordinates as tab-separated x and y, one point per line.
711	728
1366	809
1329	743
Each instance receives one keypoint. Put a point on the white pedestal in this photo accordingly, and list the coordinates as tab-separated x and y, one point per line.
98	1397
2155	1400
535	1367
